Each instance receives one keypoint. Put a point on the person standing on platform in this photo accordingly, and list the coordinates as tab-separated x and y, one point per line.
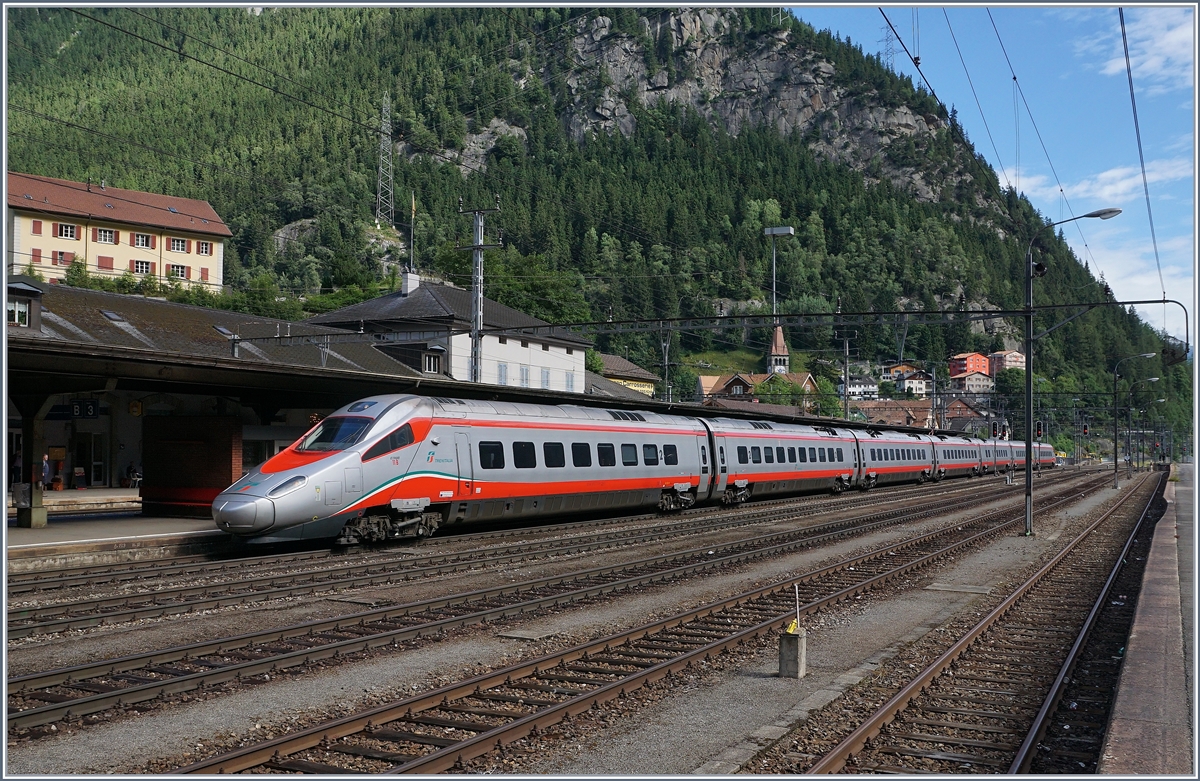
47	471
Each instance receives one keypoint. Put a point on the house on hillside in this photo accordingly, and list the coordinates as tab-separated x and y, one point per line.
859	388
429	327
627	373
53	223
1005	359
897	412
776	386
972	383
891	372
964	363
919	382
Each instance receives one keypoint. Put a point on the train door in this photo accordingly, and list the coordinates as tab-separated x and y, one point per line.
466	469
721	464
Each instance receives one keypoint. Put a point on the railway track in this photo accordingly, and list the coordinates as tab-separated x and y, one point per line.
443	729
36	581
216	590
987	703
42	698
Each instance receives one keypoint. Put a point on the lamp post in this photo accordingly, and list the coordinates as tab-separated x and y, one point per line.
1075	433
782	230
1117	415
1142	431
1032	270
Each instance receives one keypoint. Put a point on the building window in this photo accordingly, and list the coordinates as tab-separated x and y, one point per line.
524	344
524	376
433	363
570	351
737	390
141	240
176	270
546	379
545	348
106	236
503	339
66	231
570	382
204	247
141	267
37	228
178	245
502	374
18	313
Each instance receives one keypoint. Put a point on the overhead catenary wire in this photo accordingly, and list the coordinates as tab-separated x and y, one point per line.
1038	133
1142	159
976	96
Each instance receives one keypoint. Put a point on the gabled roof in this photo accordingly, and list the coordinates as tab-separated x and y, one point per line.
442	304
74	200
616	366
102	320
964	375
967	355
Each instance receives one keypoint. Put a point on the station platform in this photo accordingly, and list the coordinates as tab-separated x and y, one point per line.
88	500
106	535
1150	731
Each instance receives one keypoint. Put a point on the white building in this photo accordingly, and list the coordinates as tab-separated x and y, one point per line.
861	388
1007	359
919	382
429	330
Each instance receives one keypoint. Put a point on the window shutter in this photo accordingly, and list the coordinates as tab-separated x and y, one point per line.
153	239
104	262
54	229
132	264
95	234
187	272
153	268
189	246
116	237
37	227
68	258
204	275
37	256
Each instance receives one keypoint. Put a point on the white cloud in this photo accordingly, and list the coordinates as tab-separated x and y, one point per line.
1162	49
1118	184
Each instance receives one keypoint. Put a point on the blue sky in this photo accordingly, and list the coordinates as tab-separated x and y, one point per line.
1070	65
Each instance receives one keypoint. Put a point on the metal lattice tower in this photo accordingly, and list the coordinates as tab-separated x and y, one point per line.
385	210
889	47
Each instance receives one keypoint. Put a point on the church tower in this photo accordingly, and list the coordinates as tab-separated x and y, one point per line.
778	361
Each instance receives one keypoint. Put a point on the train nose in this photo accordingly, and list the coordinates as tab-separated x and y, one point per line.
243	514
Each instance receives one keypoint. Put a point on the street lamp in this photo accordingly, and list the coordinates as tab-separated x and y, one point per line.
1117	414
1032	270
782	230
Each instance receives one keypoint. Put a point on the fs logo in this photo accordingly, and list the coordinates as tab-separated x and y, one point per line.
429	460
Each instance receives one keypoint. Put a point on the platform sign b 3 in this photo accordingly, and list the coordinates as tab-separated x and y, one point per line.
84	408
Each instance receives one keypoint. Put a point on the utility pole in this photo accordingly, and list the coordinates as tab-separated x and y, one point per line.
385	210
477	249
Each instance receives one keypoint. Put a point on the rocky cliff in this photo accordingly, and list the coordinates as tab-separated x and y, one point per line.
738	82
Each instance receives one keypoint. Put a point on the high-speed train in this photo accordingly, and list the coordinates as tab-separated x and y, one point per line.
397	466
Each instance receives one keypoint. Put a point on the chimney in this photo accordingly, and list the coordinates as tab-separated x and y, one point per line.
101	184
409	282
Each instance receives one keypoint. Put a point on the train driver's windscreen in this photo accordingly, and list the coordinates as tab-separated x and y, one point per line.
337	433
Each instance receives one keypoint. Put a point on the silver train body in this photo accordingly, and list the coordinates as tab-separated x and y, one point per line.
398	466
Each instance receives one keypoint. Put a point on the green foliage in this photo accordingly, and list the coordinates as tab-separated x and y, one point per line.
660	224
592	361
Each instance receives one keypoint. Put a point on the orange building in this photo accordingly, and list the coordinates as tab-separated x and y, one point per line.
54	222
965	363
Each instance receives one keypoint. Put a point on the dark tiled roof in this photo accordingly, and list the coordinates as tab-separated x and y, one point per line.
451	306
616	366
73	199
77	315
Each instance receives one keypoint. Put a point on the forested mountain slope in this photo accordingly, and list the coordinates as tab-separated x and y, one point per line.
637	155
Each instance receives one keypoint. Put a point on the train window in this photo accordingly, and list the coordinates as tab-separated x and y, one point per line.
791	455
703	453
803	455
873	458
629	455
821	454
553	454
743	454
650	455
394	441
830	454
721	453
779	454
524	455
769	455
606	454
812	454
334	433
491	455
581	454
756	455
839	454
671	455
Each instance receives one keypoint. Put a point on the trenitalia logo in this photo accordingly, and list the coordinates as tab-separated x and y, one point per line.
429	460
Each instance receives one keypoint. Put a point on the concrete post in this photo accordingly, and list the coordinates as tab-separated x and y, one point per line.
793	654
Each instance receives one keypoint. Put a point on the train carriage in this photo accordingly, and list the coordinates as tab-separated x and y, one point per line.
956	457
893	457
769	458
